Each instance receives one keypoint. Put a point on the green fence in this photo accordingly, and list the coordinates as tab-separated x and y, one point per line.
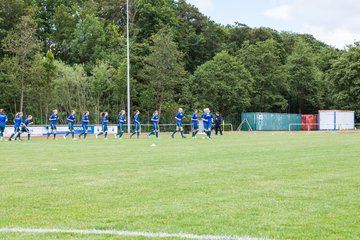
271	121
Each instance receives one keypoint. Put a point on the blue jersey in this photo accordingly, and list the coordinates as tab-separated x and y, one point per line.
137	120
104	121
27	122
3	119
85	120
207	117
179	117
71	118
194	118
155	119
18	121
53	119
121	119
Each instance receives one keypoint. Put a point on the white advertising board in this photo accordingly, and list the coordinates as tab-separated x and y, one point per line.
111	129
34	131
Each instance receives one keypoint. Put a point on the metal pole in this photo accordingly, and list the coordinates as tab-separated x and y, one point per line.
128	65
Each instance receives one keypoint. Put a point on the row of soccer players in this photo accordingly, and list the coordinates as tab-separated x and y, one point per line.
21	126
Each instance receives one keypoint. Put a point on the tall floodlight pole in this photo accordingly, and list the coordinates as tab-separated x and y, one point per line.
128	65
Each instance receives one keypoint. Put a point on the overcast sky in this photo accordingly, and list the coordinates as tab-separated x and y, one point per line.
336	22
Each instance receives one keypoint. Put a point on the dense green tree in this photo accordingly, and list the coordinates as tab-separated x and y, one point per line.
323	60
153	15
10	14
88	42
71	87
304	79
22	46
223	84
270	88
238	35
44	15
64	21
189	35
41	90
116	45
214	37
9	87
163	71
260	34
102	87
114	11
345	77
119	97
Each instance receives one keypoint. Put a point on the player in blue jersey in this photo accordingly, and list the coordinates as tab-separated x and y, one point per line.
137	125
155	125
3	120
71	121
179	125
207	119
18	123
53	121
84	124
104	125
121	124
195	123
25	126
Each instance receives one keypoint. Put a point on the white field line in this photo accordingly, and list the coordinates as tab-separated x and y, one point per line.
128	233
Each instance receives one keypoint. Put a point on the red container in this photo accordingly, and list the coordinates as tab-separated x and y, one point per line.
309	122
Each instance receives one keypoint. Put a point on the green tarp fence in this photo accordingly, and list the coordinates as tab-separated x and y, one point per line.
261	121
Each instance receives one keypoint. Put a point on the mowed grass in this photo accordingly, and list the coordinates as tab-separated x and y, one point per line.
278	186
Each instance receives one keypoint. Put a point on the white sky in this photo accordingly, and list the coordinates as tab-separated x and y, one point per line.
335	22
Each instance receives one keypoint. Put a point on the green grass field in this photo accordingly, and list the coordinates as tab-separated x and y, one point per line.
281	186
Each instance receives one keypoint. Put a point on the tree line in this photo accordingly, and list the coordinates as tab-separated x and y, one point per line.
71	54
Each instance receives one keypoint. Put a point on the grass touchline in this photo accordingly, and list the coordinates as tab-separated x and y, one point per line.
128	233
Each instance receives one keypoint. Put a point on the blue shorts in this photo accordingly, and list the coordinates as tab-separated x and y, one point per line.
85	128
2	129
137	127
195	126
179	124
121	127
16	129
104	128
24	129
53	126
71	126
155	127
207	126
